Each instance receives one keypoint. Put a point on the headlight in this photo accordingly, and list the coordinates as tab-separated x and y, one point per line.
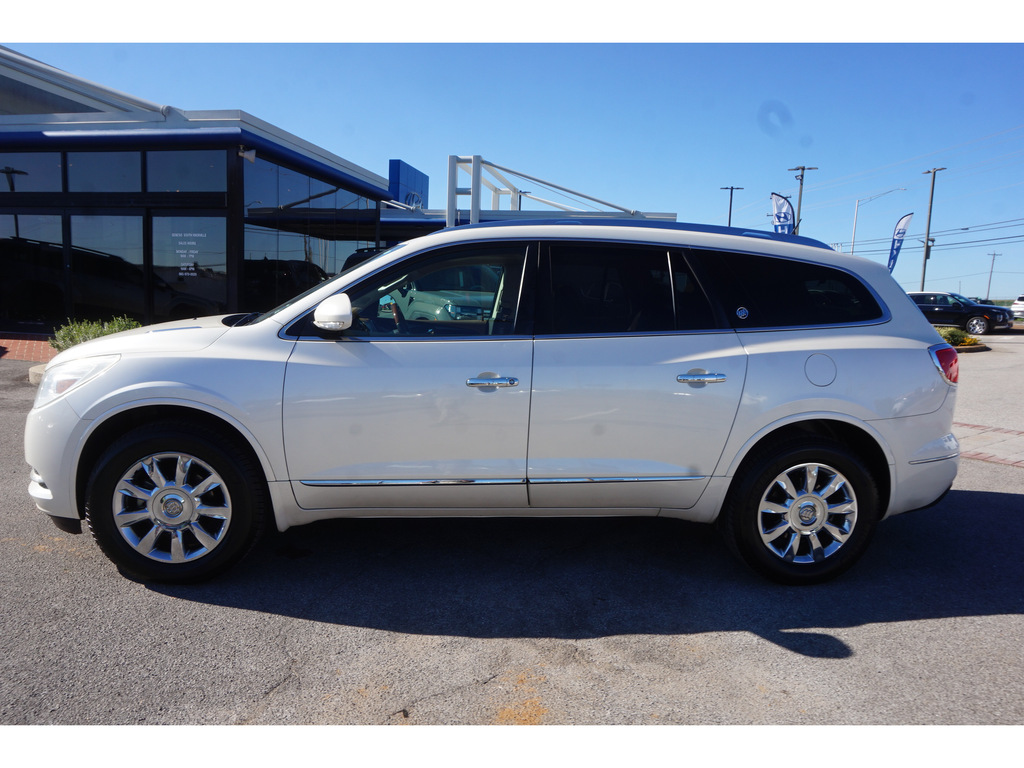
61	379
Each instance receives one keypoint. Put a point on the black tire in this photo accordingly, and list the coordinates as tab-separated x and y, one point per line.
801	512
976	326
176	503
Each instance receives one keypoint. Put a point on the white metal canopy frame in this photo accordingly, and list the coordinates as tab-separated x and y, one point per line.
494	177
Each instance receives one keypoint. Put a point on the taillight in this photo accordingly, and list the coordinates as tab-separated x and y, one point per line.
947	361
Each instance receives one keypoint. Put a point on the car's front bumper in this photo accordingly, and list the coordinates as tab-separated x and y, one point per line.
52	437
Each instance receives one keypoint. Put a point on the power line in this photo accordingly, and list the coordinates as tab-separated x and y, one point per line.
1007	224
951	246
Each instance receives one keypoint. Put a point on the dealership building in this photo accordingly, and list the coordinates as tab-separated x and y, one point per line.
111	205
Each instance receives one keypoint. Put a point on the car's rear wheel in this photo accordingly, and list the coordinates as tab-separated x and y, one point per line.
976	326
175	503
802	512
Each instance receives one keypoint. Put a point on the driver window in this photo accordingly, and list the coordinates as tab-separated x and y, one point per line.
469	291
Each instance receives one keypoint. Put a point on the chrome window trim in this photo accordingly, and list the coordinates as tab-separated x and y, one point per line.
886	317
407	339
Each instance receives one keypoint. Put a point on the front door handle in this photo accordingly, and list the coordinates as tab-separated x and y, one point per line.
700	378
500	381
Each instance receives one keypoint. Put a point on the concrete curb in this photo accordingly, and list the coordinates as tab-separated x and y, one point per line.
972	348
35	374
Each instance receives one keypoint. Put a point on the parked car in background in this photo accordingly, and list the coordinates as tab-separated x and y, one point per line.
763	382
942	308
1018	307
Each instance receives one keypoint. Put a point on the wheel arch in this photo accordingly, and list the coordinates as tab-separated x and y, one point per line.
857	438
118	423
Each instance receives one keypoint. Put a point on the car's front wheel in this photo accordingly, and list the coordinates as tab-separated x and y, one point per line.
976	326
802	512
175	503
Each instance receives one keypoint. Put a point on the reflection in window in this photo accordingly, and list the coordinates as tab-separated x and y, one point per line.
189	267
465	292
776	292
298	231
30	172
693	311
260	187
186	171
323	195
292	190
106	267
601	289
32	264
277	267
104	172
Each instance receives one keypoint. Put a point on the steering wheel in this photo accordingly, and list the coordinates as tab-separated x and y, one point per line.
400	325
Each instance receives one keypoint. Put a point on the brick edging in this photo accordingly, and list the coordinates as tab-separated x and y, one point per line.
1000	430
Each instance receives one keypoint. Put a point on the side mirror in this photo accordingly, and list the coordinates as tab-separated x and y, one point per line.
334	313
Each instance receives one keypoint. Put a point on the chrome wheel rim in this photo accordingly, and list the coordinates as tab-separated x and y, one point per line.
172	507
976	325
807	513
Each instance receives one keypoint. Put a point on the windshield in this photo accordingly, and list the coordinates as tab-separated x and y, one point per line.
962	299
258	318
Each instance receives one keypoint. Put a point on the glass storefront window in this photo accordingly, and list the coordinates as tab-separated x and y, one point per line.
278	266
189	267
107	267
260	186
298	231
323	195
30	172
104	172
186	171
32	264
293	189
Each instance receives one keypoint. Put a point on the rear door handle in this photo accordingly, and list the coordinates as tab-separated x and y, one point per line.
500	381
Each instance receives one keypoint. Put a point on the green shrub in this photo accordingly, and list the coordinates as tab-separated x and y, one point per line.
77	331
957	338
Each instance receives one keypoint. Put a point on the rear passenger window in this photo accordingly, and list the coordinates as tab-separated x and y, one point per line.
602	289
766	292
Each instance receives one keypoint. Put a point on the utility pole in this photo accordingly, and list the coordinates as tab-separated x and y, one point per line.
800	198
928	226
730	201
988	291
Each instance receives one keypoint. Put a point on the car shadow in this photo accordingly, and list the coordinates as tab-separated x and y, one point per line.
599	577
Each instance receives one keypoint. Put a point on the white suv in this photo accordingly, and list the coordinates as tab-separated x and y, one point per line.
793	394
1018	308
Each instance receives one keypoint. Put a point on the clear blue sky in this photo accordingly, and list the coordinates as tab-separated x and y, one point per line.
657	127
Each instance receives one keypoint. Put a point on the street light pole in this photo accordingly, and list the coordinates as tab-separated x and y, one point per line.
730	201
800	197
928	226
853	238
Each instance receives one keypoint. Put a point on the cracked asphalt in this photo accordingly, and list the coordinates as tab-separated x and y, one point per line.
599	622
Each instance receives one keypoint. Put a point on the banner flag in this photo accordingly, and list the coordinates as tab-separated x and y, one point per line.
897	240
782	214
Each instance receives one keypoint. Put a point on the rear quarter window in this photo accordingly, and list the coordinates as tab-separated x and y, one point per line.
758	291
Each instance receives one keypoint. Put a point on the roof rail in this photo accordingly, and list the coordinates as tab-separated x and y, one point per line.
649	224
